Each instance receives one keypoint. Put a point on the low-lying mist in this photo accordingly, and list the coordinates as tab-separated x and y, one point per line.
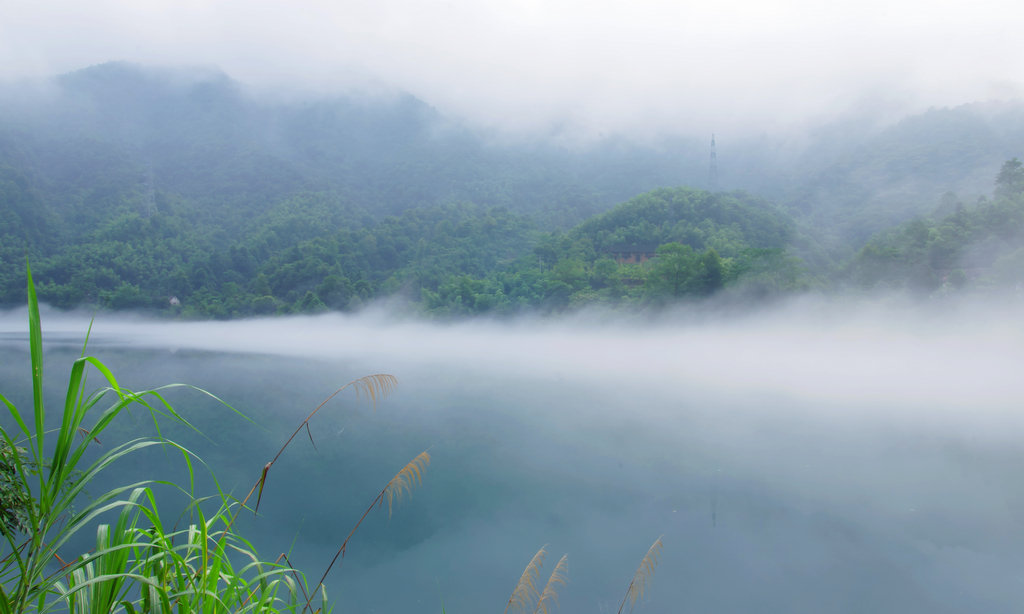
817	456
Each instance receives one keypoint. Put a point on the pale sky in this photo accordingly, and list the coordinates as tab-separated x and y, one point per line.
642	66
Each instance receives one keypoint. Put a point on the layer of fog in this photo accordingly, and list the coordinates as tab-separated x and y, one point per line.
640	68
824	456
956	354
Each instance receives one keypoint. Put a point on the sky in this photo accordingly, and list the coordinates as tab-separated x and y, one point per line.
600	66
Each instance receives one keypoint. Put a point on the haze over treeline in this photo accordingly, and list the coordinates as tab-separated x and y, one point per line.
179	191
795	355
571	68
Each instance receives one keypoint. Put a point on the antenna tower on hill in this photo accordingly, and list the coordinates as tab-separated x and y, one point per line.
713	169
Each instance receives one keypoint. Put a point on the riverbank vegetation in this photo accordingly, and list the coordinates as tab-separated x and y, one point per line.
144	557
147	557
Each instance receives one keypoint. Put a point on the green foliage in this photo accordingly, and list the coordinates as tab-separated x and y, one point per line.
239	239
727	222
680	230
176	194
138	563
181	197
958	248
673	273
1010	181
305	255
15	500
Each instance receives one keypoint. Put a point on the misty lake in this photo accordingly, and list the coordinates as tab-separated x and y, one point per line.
815	458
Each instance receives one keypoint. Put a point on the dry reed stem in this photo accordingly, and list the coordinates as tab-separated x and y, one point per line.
526	589
376	387
402	481
639	583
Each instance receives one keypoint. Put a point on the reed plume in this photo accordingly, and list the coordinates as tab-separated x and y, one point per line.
404	480
635	592
410	475
550	594
525	591
376	387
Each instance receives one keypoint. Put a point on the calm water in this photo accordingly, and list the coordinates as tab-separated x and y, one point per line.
817	462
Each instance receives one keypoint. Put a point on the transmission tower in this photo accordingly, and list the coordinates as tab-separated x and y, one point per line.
713	169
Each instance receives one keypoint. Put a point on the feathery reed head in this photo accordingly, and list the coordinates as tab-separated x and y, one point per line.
377	386
404	480
525	591
550	594
639	582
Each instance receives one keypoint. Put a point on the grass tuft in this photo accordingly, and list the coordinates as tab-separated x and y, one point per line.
138	563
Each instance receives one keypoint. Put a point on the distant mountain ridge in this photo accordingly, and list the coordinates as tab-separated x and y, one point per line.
198	132
201	135
905	169
117	173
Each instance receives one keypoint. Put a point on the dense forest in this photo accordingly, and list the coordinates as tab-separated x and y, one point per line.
178	193
957	246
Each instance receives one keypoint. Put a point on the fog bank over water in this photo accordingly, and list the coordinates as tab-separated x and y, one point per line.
960	354
822	456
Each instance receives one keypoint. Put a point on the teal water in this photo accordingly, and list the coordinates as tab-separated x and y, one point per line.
779	478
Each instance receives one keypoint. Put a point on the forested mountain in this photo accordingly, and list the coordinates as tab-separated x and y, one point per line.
663	245
115	131
180	192
872	179
957	246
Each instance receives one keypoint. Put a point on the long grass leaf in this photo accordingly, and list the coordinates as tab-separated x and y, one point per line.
35	335
13	410
71	418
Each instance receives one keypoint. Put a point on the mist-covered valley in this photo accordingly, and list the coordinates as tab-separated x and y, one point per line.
181	193
721	301
819	456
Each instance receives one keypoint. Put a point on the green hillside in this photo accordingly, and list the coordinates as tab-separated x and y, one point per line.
179	192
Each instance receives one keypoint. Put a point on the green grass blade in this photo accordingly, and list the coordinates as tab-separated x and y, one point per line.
35	336
13	410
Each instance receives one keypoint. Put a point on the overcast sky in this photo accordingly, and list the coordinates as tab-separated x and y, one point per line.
653	66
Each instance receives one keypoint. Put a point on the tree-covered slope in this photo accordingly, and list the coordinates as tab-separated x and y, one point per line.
304	254
668	244
92	136
868	180
129	187
957	246
315	251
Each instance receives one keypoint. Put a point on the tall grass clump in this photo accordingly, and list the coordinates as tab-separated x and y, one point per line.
139	562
